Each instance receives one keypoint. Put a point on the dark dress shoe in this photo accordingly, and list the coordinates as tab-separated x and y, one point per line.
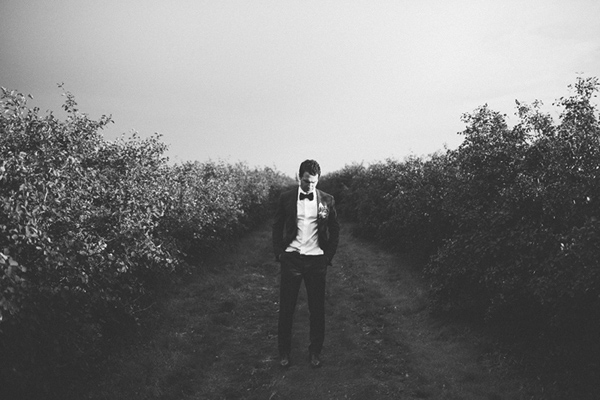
284	361
315	360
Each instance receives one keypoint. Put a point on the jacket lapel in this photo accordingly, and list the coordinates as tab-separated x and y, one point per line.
295	203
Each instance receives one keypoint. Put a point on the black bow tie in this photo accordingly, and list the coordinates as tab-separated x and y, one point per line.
306	196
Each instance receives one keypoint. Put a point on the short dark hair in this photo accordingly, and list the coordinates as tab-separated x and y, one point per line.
310	166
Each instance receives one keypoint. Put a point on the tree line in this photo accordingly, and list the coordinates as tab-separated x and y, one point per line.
92	230
507	225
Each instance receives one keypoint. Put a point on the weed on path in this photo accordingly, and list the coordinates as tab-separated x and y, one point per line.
216	338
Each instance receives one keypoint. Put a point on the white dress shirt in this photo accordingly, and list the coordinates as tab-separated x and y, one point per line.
307	239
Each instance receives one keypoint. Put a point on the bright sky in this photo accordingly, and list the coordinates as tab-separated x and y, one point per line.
273	82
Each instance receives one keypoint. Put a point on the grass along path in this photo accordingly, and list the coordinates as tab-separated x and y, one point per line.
215	338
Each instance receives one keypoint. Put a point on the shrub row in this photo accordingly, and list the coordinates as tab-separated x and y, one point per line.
90	229
509	222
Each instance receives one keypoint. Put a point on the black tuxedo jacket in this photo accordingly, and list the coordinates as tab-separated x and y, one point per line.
285	226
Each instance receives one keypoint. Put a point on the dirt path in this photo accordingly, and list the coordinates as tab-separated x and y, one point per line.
217	338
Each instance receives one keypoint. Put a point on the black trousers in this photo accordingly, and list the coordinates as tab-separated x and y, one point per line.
294	269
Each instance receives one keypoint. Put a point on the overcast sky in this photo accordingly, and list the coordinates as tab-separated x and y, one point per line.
272	83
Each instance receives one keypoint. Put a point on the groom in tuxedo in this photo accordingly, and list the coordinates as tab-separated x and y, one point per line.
305	239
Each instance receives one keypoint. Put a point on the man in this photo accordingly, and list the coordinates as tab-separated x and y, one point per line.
305	239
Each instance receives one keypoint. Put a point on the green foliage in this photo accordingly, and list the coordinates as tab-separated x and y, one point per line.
90	230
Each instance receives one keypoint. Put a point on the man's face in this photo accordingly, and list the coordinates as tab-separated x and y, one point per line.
308	182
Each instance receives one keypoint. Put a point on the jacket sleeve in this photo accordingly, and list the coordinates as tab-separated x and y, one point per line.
334	232
278	226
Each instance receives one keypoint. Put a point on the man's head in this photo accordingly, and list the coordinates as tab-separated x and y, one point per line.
309	174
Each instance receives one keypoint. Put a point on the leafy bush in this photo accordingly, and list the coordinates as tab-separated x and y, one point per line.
526	198
397	203
76	232
215	201
509	221
338	184
90	230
